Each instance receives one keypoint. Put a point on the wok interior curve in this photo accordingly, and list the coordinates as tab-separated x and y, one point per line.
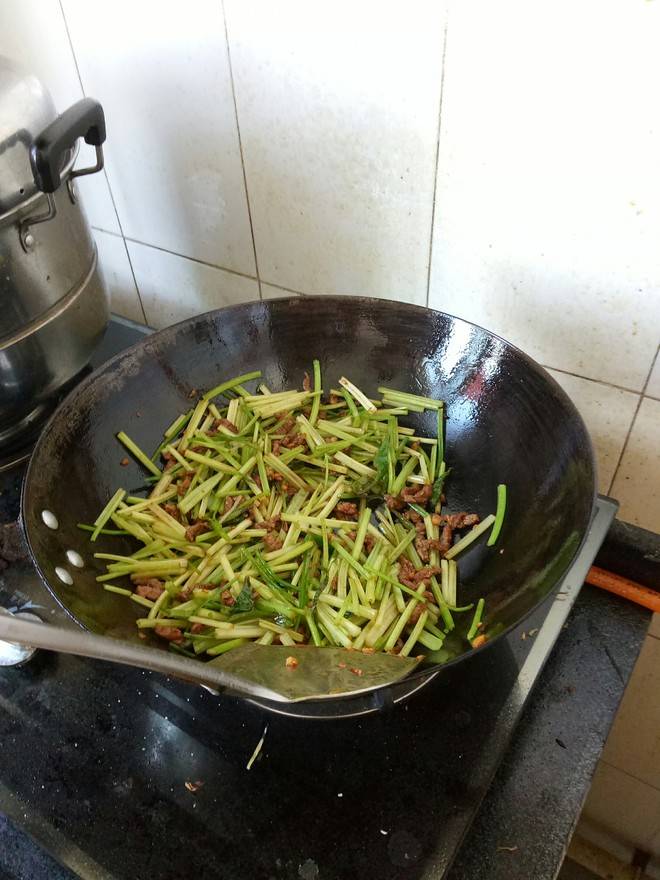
507	422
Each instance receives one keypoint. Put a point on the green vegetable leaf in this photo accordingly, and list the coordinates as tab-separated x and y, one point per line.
268	576
244	601
438	485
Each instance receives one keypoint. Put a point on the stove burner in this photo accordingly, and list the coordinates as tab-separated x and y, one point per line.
16	655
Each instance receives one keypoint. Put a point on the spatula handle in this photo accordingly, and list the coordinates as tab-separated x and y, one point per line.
84	644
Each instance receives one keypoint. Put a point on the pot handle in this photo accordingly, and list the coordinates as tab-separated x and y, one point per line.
83	119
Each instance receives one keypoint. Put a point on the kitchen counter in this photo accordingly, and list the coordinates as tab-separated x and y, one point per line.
528	816
521	830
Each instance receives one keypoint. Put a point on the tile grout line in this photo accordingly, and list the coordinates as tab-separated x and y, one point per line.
240	148
634	419
287	289
164	250
630	775
105	172
591	379
437	156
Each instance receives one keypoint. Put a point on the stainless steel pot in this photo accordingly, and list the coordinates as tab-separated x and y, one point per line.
53	302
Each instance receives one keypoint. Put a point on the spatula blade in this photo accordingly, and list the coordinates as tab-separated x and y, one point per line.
308	673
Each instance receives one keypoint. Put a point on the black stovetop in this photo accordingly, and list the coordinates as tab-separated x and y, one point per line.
95	759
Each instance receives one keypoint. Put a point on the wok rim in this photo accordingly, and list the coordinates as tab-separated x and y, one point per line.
431	671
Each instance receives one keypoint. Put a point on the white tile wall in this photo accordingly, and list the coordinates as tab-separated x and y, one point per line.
653	388
160	69
607	413
173	288
338	108
637	485
116	269
548	198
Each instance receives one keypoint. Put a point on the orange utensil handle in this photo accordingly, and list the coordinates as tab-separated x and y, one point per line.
614	583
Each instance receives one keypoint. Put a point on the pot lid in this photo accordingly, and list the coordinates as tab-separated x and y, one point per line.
26	108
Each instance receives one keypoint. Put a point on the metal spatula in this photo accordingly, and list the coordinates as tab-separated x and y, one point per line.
279	674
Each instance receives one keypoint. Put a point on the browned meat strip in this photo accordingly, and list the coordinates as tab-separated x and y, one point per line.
198	529
446	539
293	440
173	511
413	516
171	633
184	484
416	613
460	520
151	589
225	423
407	572
417	495
270	524
272	541
231	501
141	578
346	510
394	502
287	423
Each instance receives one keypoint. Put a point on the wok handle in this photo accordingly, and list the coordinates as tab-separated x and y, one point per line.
85	644
83	119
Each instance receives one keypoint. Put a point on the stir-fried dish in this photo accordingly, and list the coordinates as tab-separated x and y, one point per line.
293	518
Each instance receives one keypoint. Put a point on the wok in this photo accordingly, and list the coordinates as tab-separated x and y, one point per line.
507	422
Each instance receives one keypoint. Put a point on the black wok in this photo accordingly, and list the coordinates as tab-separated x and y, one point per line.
508	421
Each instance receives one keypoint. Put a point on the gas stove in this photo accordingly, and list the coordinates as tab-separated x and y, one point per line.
118	773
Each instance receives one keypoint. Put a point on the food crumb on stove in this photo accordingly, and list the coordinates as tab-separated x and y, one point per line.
193	393
560	743
532	632
510	849
124	462
291	662
340	794
194	786
138	414
257	751
382	831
